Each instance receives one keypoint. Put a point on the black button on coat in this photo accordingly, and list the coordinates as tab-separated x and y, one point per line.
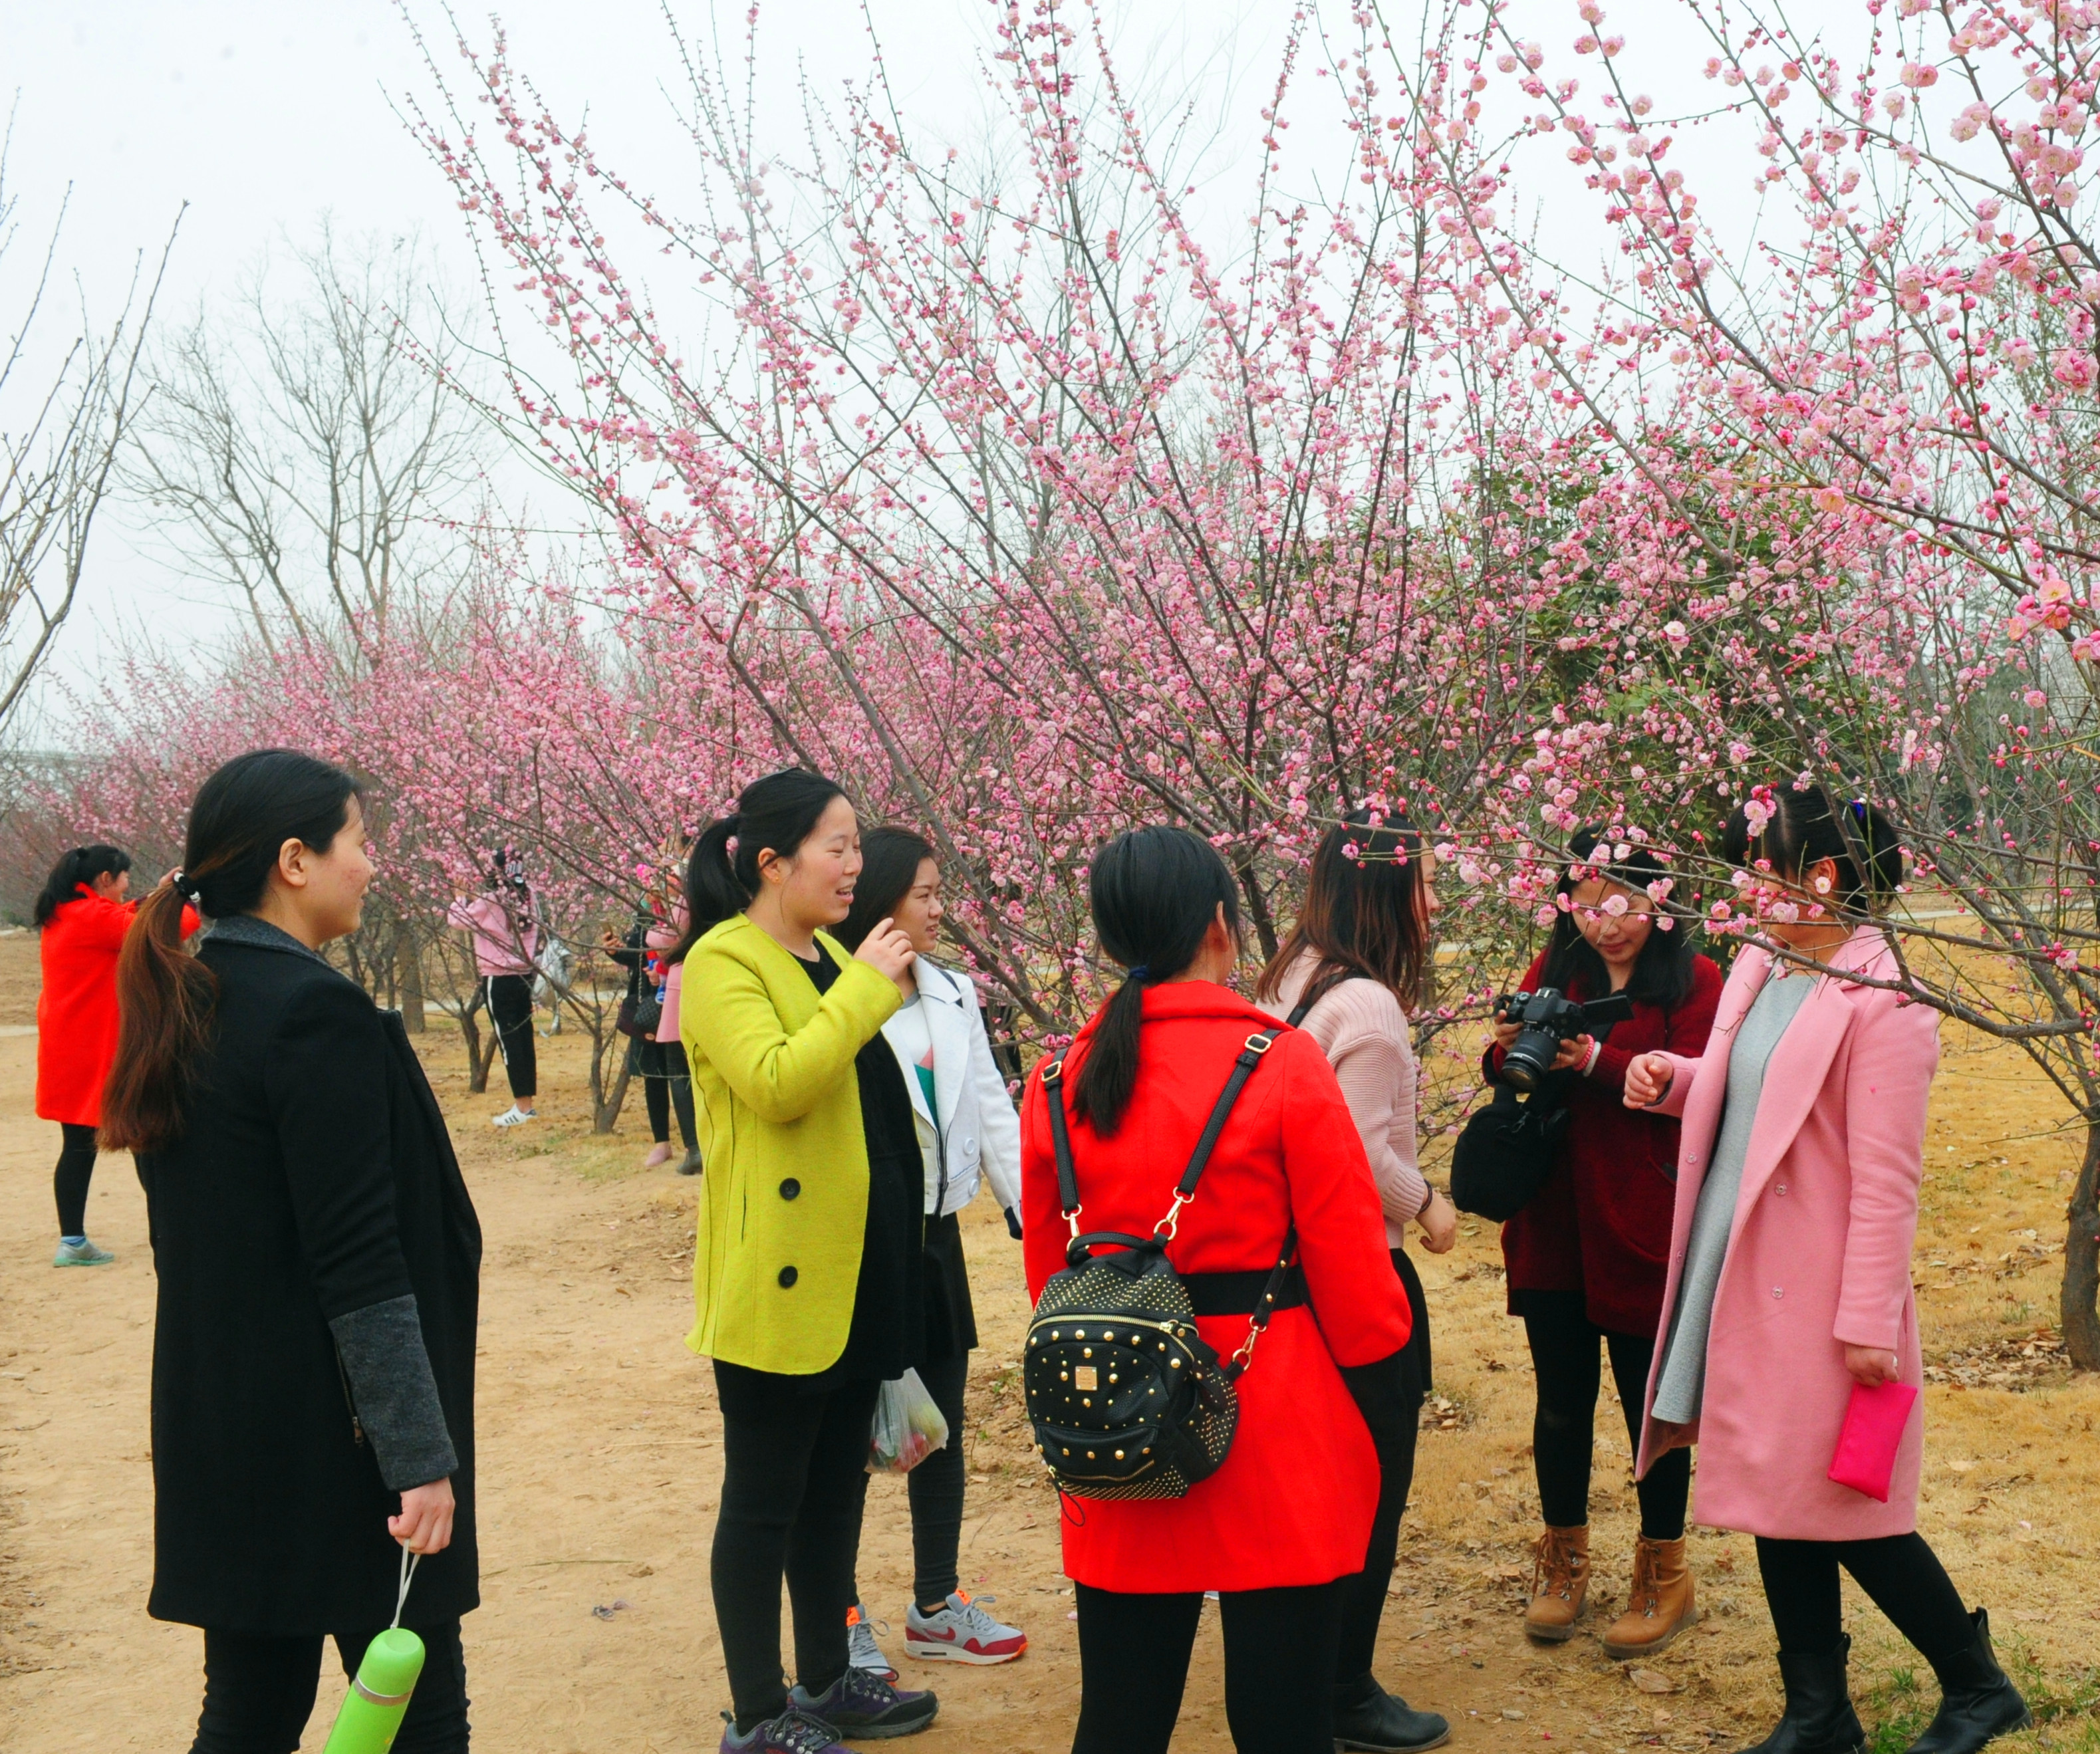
313	1178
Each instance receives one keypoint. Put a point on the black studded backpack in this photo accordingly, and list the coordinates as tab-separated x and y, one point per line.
1127	1400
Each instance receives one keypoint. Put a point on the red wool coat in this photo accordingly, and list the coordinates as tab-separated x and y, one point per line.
1292	1504
1601	1223
77	1011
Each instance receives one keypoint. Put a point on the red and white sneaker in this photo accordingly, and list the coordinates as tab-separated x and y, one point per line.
961	1632
862	1652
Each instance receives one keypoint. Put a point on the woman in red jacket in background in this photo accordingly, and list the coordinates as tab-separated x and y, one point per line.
1586	1256
1289	1513
82	917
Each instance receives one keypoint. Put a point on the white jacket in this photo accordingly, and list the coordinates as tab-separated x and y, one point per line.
978	1129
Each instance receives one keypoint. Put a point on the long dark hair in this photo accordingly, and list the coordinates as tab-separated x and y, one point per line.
780	812
1662	974
240	820
890	858
1153	893
81	866
1363	911
1805	828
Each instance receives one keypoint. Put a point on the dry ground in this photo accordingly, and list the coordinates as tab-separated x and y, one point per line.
600	1461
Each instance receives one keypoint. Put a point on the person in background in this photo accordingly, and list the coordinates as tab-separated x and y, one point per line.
1285	1521
808	1246
968	1132
658	1060
1586	1257
317	1262
507	940
1348	974
80	917
1790	1284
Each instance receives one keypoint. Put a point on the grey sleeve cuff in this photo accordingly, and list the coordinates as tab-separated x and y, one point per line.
396	1396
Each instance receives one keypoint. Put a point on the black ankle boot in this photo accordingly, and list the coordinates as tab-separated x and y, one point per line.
1819	1718
1977	1701
1367	1717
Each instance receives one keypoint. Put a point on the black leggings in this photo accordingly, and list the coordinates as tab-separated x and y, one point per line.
660	1096
75	1170
1563	1355
935	1488
794	1471
258	1692
1389	1396
1279	1668
1901	1575
510	1010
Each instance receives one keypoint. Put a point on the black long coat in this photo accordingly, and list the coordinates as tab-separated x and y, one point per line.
313	1178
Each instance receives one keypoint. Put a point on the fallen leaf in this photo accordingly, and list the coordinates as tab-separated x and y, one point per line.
1512	1714
1648	1681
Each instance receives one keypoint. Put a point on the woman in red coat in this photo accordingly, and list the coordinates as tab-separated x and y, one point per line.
82	917
1586	1256
1289	1512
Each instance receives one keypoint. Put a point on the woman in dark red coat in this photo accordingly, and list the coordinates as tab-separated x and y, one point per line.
1586	1256
82	917
1289	1513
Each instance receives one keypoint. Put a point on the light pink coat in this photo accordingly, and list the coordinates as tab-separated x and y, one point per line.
1819	1255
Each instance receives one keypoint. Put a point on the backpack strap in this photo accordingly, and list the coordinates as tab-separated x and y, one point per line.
1249	1057
1061	1144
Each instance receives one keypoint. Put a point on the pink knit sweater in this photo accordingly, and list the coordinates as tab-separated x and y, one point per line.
1363	1031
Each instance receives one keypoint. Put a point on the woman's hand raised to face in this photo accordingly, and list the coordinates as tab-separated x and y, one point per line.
889	952
1648	1080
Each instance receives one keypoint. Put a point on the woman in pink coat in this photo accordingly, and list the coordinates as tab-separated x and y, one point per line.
1789	1270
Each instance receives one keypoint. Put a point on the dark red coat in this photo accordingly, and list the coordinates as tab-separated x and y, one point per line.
1292	1504
77	1011
1601	1223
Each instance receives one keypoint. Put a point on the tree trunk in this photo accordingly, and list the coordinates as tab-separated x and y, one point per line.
2080	1318
408	975
607	1115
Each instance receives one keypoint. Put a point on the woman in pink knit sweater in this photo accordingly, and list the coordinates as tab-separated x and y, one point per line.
1348	974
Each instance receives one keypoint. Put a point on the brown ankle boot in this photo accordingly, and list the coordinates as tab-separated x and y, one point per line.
1660	1605
1559	1584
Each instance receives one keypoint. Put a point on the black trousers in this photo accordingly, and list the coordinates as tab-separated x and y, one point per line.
258	1692
75	1170
794	1472
1564	1357
935	1488
1901	1575
1389	1396
660	1096
1279	1668
510	1010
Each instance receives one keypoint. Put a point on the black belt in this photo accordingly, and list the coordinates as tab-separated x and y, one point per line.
1239	1294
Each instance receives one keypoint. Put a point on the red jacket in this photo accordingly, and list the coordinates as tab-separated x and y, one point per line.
77	1011
1292	1504
1601	1223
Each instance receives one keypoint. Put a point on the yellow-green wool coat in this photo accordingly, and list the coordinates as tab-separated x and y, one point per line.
784	1196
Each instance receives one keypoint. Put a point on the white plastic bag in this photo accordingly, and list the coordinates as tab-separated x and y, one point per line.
908	1427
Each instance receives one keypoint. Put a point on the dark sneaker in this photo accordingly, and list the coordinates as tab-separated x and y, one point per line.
792	1732
863	1708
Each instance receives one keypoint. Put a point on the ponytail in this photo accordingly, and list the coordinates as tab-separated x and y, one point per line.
75	870
776	813
1153	893
238	822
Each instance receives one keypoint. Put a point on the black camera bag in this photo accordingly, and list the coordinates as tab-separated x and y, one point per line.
1506	1153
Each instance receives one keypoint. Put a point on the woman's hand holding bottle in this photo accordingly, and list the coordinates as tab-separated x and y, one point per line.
888	951
424	1525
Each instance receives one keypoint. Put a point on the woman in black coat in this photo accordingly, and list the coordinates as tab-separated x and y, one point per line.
318	1259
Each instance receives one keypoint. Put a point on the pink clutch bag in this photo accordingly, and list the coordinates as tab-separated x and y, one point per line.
1873	1432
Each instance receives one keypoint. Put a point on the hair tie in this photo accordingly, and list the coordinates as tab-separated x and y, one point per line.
185	885
1139	972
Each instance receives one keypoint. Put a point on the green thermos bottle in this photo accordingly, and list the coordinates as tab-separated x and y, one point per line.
378	1698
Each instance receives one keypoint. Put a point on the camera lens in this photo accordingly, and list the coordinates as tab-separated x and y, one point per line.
1530	1057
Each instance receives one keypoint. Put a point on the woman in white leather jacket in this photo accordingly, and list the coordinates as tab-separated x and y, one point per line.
970	1134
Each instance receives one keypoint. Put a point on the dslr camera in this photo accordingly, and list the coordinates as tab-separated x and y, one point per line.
1544	1021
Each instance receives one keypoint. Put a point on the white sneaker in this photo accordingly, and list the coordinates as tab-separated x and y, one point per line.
862	1652
513	1115
961	1631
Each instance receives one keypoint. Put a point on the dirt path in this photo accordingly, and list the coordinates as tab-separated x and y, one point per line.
600	1461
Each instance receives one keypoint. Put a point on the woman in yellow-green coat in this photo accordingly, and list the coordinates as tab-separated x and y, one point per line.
806	1269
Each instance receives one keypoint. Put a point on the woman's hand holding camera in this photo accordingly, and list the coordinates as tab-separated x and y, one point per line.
888	951
1648	1079
1574	1053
